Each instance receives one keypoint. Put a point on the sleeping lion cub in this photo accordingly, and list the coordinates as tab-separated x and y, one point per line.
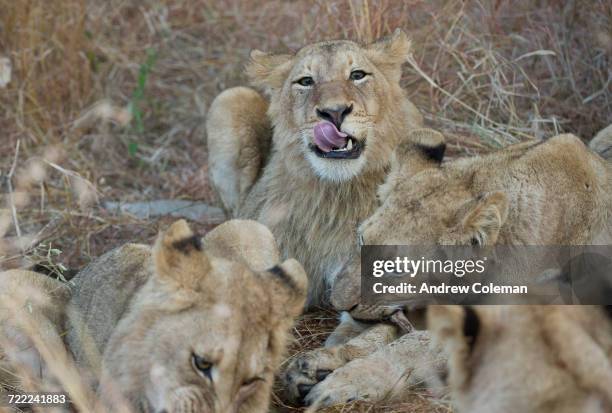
553	192
189	325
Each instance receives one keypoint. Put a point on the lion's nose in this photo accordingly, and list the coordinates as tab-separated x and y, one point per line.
336	114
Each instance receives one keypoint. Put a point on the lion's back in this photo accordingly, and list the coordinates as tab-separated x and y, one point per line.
102	292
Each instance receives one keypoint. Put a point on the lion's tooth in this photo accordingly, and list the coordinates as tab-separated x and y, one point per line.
349	146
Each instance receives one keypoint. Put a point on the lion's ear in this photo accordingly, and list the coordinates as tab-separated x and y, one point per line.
485	219
243	240
289	285
453	322
178	256
389	53
268	71
456	329
421	149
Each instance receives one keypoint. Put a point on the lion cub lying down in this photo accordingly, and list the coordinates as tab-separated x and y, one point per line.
555	192
189	325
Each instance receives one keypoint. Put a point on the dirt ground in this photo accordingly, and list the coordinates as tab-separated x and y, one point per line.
107	102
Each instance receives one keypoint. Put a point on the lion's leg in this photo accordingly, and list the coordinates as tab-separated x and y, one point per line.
387	374
309	368
347	329
239	137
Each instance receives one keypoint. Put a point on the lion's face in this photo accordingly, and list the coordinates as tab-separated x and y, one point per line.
435	210
337	104
519	359
423	204
210	332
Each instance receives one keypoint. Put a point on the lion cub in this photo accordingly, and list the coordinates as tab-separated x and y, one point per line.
553	192
307	162
189	325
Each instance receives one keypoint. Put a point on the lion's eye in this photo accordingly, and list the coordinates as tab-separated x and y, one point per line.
305	81
358	75
202	366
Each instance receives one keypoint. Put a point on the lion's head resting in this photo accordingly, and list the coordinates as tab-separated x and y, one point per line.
517	195
337	104
206	333
423	203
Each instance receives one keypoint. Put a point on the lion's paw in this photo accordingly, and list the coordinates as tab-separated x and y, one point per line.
361	379
308	369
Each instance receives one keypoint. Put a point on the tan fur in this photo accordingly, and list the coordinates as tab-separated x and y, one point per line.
602	142
31	306
381	371
147	311
530	359
556	192
312	205
236	159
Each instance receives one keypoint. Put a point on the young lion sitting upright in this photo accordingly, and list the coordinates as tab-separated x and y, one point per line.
191	325
308	164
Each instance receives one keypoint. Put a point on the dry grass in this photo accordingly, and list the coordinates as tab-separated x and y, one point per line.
117	92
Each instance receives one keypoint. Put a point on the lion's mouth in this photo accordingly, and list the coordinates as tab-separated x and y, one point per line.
352	150
330	143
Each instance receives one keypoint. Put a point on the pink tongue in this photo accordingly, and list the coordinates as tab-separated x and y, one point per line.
327	136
